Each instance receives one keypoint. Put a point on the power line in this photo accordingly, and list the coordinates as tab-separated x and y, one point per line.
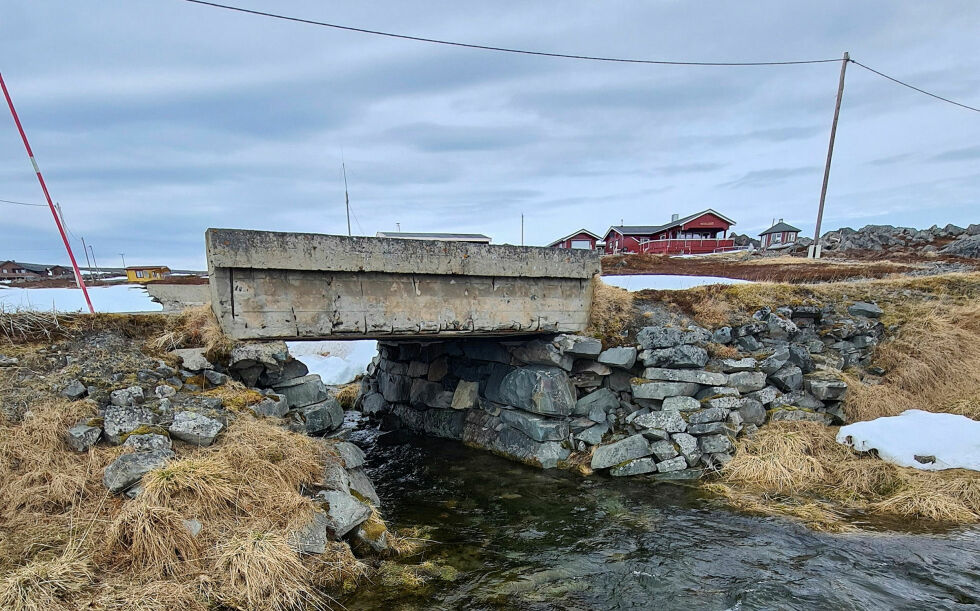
451	43
903	83
8	201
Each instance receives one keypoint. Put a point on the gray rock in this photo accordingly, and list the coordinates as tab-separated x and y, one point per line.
712	414
467	395
82	437
635	446
722	335
663	390
711	444
748	343
707	428
707	378
362	486
537	352
747	381
800	356
490	351
193	359
663	450
275	406
590	366
335	476
424	393
579	346
638	466
320	417
684	475
601	401
352	455
868	310
418	369
74	391
538	389
652	338
593	435
148	442
126	397
195	428
270	355
826	388
118	421
342	510
8	361
713	392
728	403
752	412
622	357
164	391
311	538
307	390
688	446
681	404
670	421
801	398
215	378
671	465
735	365
788	378
765	396
512	442
438	369
790	414
655	434
537	428
680	357
775	361
130	468
374	403
619	381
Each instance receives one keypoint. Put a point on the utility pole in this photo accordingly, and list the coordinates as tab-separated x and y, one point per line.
95	261
123	255
88	262
346	196
47	196
399	226
522	229
814	251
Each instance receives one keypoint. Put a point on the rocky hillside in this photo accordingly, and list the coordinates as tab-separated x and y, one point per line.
950	240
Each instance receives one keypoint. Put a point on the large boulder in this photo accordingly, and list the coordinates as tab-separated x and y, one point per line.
303	391
130	468
680	357
545	454
537	352
117	421
788	378
195	428
635	446
537	428
320	417
193	359
343	511
747	381
536	388
868	310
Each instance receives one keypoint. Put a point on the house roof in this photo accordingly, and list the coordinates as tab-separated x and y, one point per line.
650	229
780	227
139	267
37	268
450	237
572	235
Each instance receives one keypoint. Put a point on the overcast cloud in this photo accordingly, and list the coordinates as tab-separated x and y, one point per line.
155	119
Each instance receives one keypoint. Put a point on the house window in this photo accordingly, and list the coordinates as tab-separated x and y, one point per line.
586	244
139	274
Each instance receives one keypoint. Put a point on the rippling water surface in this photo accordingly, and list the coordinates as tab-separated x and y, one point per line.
531	539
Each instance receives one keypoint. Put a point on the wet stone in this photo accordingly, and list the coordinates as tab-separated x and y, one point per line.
677	463
638	466
635	446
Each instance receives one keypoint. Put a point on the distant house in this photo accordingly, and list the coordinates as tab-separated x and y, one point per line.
17	270
477	238
778	235
703	232
583	239
146	273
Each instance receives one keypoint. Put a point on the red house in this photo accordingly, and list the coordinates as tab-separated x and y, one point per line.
779	235
582	238
704	232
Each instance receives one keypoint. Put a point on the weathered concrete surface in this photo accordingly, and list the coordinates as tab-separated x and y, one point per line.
176	297
267	285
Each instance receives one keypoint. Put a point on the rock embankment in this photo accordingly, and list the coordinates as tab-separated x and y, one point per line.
949	240
664	405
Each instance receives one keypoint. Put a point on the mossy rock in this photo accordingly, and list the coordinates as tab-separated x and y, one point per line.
145	429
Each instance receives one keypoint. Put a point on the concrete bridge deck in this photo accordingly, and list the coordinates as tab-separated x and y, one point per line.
271	285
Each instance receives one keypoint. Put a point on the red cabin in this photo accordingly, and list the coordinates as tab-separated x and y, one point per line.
582	238
701	233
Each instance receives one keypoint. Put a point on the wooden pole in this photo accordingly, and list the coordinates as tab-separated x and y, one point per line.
815	248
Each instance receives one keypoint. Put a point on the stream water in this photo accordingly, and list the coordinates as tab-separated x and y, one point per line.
523	538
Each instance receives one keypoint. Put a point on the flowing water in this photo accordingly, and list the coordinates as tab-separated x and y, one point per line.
523	538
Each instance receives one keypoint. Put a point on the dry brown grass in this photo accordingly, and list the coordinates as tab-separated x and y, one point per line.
347	395
259	570
202	486
46	585
611	313
194	328
722	351
234	395
152	539
798	469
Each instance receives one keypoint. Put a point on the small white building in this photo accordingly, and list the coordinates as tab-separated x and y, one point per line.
778	235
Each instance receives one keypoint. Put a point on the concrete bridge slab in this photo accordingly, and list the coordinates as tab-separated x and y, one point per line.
271	285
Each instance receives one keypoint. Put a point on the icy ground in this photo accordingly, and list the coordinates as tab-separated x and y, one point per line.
941	441
124	298
336	362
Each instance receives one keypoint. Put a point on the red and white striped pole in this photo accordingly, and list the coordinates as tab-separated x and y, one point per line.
44	187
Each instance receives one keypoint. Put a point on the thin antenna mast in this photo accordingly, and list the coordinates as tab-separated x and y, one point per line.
343	166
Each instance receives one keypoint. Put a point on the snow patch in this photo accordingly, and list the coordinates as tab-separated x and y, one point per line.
336	362
642	282
113	299
952	440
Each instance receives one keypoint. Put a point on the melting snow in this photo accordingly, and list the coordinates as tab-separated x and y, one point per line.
641	282
336	362
128	298
952	441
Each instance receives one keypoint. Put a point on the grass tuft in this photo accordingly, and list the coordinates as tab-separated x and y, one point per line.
152	539
611	313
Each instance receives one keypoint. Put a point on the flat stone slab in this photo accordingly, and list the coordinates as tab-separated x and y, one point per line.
635	446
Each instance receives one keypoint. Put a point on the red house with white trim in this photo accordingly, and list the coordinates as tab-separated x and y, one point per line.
700	233
583	238
779	235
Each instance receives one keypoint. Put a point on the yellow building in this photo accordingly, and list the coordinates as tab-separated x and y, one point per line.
146	273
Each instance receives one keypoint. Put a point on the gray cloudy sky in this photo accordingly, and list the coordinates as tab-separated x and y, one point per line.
155	119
